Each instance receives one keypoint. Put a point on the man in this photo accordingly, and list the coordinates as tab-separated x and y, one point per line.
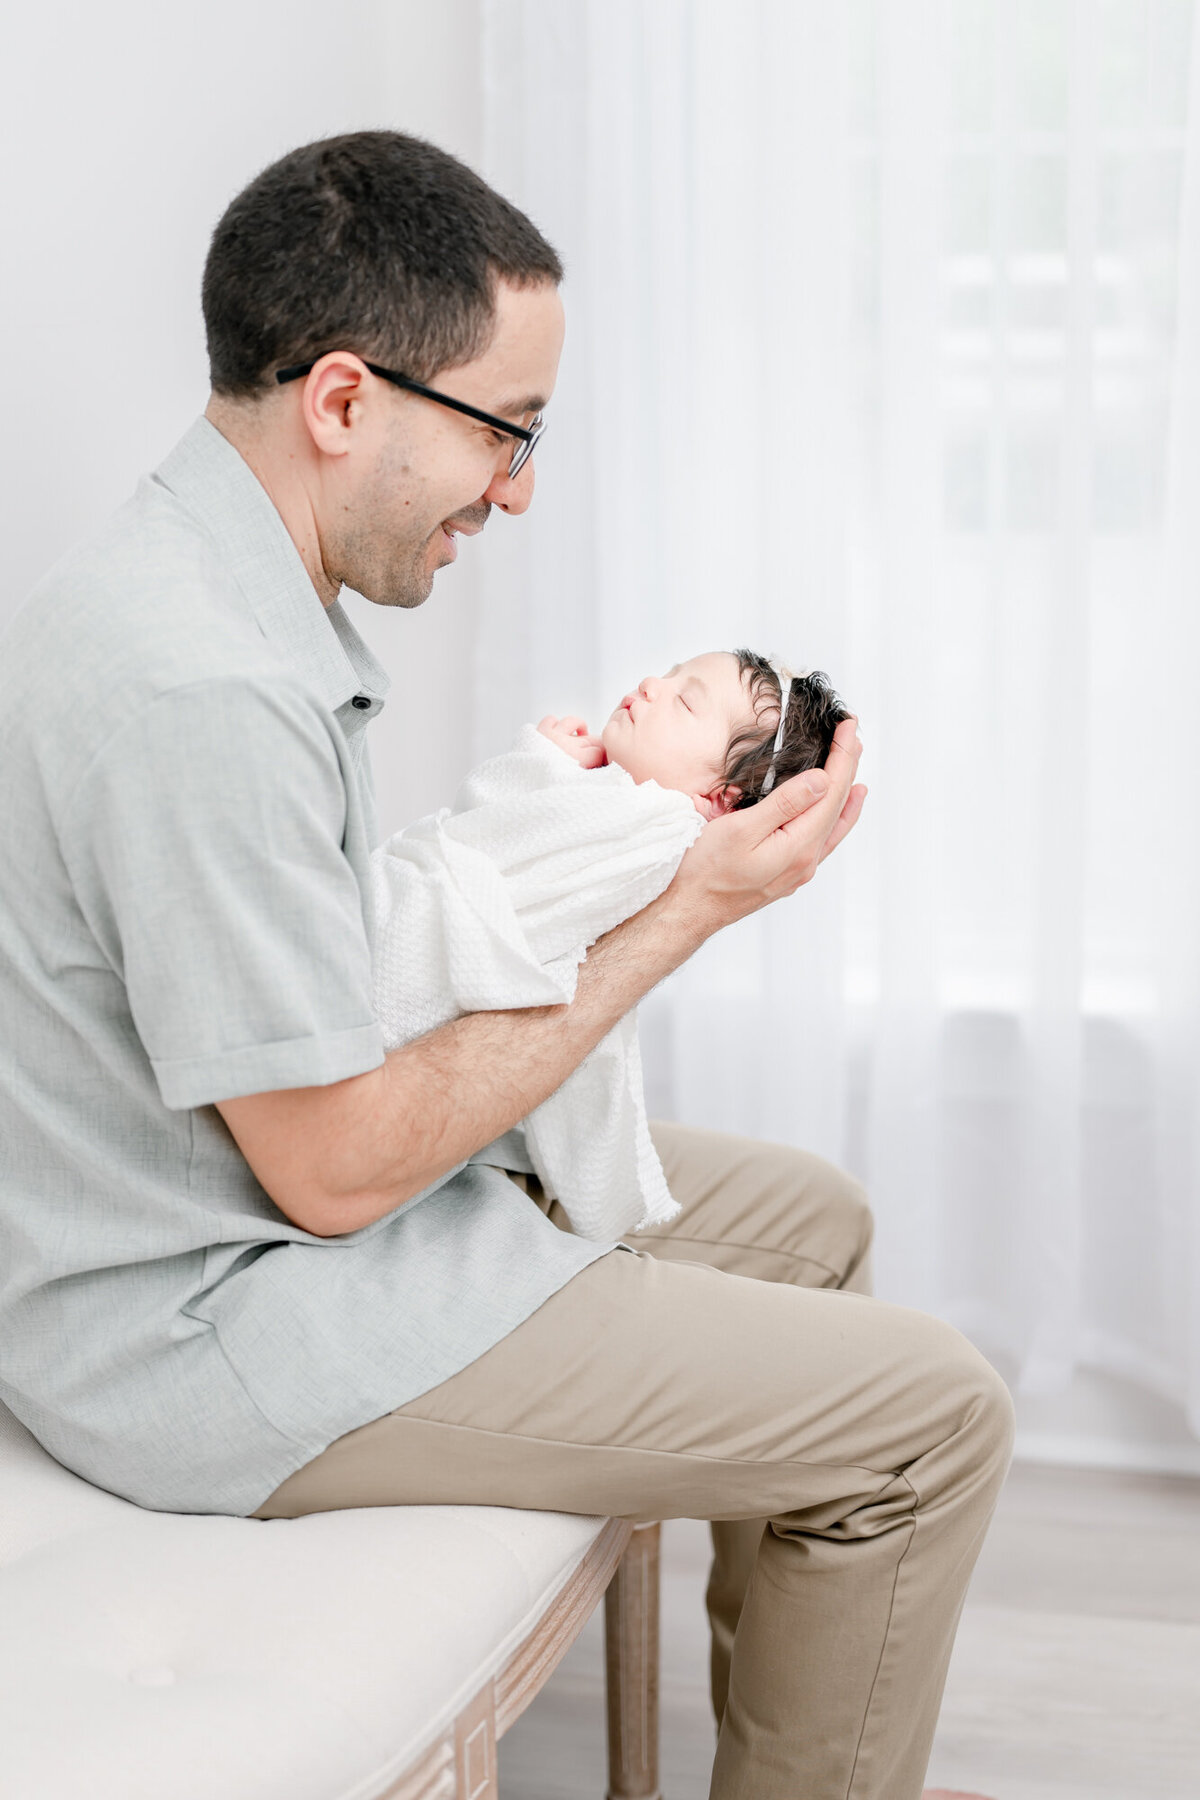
249	1264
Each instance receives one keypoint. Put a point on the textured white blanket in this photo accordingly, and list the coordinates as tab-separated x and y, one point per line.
493	904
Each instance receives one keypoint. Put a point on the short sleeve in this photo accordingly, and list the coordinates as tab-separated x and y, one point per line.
205	843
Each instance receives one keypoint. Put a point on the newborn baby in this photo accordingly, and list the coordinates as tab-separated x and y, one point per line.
494	902
705	729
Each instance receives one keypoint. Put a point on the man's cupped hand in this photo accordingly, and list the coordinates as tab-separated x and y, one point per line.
745	860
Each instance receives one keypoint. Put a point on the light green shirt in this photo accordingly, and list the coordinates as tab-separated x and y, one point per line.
185	824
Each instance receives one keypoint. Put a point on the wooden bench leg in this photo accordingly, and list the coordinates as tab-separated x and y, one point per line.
631	1669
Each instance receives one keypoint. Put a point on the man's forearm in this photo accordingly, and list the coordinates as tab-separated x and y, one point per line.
335	1159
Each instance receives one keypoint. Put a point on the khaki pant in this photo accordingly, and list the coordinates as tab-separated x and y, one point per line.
849	1454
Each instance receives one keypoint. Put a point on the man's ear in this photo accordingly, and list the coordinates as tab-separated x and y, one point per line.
331	400
720	800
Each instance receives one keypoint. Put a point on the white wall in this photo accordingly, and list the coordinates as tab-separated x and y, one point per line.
126	130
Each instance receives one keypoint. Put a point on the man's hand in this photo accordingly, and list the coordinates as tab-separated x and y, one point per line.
744	860
571	735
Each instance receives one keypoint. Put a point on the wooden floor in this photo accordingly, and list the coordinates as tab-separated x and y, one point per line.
1076	1675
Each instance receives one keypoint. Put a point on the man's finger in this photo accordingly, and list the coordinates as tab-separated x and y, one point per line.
792	799
847	819
844	753
827	787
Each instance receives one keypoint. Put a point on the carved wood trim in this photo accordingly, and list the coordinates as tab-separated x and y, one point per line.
475	1774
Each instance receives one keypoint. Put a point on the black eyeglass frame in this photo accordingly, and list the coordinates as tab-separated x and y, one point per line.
526	435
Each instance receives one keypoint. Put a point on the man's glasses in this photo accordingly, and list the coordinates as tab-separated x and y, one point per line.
525	436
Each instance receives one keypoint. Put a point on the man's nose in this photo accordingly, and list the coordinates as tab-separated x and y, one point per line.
511	496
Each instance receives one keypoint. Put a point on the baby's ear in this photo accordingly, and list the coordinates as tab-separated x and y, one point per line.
720	800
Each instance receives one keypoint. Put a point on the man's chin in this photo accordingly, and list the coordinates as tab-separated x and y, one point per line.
415	592
410	584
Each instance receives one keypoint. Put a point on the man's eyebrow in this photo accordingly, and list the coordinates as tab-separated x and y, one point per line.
508	408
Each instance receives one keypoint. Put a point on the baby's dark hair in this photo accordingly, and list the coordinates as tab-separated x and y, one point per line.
813	715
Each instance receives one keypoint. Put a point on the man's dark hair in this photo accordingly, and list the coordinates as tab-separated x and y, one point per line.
813	715
374	242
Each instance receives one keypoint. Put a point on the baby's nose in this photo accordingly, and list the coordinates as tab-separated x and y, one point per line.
648	687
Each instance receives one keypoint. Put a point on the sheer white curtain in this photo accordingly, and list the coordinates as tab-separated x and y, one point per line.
884	353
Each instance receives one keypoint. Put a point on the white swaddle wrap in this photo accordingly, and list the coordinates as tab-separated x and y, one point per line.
493	904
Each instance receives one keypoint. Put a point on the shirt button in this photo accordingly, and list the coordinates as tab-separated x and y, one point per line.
361	701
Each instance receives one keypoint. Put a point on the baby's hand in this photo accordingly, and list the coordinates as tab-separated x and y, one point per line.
571	735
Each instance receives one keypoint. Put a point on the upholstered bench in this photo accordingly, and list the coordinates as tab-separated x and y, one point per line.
366	1655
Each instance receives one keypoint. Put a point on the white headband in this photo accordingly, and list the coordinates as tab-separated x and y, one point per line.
785	678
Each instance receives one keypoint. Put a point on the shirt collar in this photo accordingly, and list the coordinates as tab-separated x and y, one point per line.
218	487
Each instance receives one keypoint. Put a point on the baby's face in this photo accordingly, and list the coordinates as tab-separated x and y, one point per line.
675	728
